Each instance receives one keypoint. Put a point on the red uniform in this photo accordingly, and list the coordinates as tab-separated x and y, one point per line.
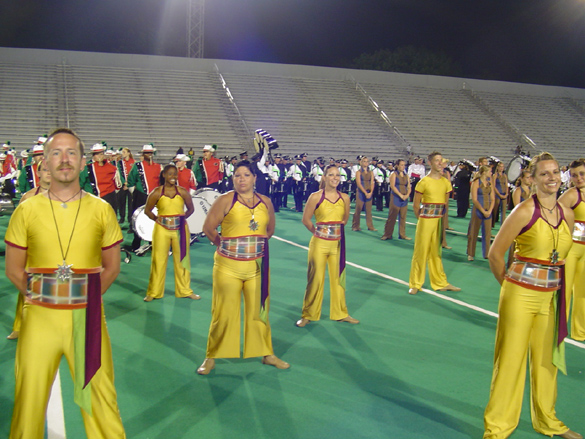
187	179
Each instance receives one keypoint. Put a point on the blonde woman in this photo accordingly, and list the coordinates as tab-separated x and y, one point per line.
528	327
326	249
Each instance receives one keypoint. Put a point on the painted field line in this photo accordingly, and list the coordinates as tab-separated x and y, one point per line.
55	415
425	290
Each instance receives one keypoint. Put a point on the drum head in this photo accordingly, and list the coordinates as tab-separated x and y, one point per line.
515	168
142	224
208	194
196	220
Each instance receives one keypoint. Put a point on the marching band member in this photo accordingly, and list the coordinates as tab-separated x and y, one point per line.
416	171
297	176
208	170
400	188
327	248
63	253
344	177
29	177
483	199
379	180
100	177
124	166
530	325
142	179
240	265
431	195
44	182
574	199
365	185
170	230
500	180
185	178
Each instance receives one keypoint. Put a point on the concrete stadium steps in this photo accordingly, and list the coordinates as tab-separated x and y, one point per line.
130	107
554	124
306	115
445	120
31	102
129	100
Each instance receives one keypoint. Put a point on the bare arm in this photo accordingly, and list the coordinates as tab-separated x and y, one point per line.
511	228
569	198
15	267
416	203
346	202
474	200
188	201
516	195
271	218
393	187
151	202
111	266
492	204
358	180
310	210
215	216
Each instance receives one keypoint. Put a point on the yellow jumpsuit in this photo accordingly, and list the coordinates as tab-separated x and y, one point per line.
47	333
575	274
526	324
427	240
231	277
162	239
325	252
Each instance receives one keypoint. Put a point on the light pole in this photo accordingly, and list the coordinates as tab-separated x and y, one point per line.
195	28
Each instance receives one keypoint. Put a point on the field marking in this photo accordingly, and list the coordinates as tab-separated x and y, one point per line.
424	290
55	415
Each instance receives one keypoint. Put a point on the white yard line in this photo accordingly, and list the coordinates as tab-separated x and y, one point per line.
55	415
425	290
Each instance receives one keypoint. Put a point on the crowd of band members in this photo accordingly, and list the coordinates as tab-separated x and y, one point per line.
125	182
109	175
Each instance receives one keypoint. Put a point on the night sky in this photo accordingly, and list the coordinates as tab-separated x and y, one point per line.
534	41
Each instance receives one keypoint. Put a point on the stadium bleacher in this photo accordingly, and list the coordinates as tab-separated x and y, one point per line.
129	100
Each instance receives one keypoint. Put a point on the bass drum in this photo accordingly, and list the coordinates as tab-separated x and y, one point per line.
196	220
517	164
208	194
142	224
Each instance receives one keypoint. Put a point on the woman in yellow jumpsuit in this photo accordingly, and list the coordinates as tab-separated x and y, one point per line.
574	198
240	266
170	230
327	248
532	318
